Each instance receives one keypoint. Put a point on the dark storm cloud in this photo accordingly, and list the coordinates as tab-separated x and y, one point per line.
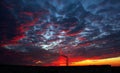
21	56
80	27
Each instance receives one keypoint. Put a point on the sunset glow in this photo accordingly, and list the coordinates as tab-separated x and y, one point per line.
58	32
109	61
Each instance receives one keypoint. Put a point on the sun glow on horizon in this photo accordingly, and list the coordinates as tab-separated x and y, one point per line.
109	61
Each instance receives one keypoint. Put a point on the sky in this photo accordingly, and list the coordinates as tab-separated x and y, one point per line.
46	32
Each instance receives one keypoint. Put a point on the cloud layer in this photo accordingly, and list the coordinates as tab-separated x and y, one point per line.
80	28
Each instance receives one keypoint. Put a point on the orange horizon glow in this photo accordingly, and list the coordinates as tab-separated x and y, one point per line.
109	61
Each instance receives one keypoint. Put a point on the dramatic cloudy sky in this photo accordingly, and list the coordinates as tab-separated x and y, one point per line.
37	32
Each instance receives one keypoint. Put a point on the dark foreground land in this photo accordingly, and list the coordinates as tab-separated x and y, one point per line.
61	69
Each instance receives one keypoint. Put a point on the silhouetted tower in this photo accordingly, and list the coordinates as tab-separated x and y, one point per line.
66	57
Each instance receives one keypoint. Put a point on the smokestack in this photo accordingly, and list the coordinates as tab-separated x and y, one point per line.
67	60
61	54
